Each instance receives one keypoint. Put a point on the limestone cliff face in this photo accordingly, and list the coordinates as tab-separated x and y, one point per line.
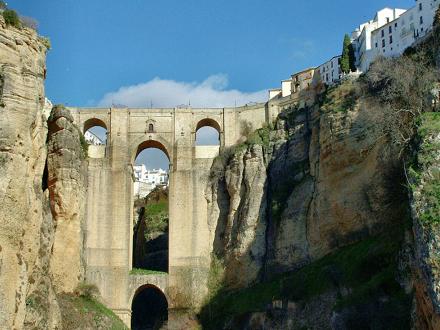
25	221
240	234
67	187
41	190
320	183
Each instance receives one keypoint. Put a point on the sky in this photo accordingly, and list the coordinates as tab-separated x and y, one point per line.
143	53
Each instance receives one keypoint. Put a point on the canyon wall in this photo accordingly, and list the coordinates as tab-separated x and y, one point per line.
289	201
26	228
42	190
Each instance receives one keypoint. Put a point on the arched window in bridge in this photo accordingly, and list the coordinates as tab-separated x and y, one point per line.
150	128
207	133
95	132
150	198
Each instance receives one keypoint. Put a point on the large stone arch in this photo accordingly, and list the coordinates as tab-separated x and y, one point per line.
143	143
210	122
92	122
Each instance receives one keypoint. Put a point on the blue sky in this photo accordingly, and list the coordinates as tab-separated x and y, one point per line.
101	45
172	52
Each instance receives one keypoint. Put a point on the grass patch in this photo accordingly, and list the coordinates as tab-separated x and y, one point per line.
46	42
86	313
366	267
139	271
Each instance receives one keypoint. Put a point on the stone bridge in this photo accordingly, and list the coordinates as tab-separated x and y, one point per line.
109	210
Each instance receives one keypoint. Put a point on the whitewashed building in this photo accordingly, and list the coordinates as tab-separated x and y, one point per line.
362	36
394	37
93	139
146	180
330	71
392	31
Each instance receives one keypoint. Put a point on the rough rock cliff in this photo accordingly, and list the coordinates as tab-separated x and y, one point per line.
26	230
289	201
67	185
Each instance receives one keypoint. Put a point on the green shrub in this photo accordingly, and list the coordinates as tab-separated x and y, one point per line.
156	217
46	42
425	177
11	18
83	143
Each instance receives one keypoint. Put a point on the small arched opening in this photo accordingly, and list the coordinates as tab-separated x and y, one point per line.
207	133
95	132
149	309
150	207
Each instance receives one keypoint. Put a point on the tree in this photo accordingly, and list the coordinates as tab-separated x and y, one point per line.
3	5
346	63
352	57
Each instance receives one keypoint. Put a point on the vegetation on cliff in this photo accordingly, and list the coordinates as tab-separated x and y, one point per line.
80	312
425	173
360	274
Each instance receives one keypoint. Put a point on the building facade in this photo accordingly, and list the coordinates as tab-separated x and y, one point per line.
392	31
362	36
330	71
394	37
146	180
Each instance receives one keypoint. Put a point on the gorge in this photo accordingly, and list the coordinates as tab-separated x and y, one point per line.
318	213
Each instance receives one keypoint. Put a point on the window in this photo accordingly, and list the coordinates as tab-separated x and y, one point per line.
383	33
150	128
390	29
421	19
395	25
332	64
388	19
376	44
420	7
391	39
383	42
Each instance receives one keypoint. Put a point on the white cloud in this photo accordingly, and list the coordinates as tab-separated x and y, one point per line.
212	92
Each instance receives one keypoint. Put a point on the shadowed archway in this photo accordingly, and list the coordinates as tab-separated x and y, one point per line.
149	309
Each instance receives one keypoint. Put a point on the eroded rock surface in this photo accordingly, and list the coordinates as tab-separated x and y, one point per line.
67	187
26	229
290	203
